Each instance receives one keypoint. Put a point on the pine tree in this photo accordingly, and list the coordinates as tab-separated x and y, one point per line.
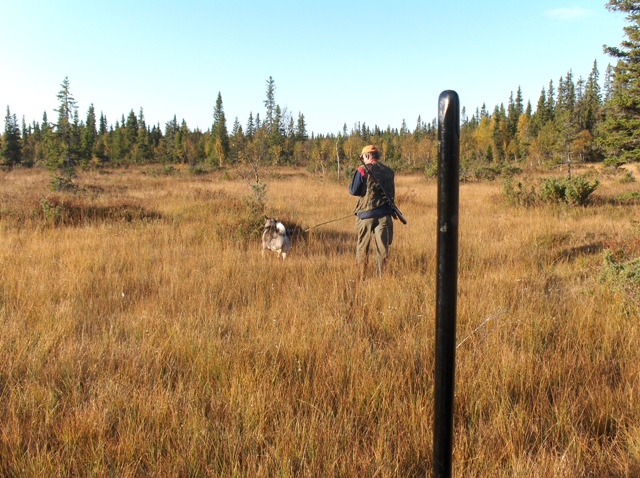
500	136
301	128
539	118
550	105
11	151
64	150
403	127
130	133
278	130
142	152
589	105
104	126
270	105
89	136
514	110
251	128
171	129
44	136
620	131
236	143
29	144
566	121
219	142
117	146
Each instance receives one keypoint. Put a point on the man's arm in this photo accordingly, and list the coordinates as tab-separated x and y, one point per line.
358	185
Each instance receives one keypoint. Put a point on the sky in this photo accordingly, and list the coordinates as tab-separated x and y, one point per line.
337	62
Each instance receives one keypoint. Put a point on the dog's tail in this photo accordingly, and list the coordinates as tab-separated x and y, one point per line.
281	229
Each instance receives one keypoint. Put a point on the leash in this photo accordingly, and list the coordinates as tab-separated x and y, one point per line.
327	222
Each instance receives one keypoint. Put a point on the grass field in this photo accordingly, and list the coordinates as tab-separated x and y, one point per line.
144	335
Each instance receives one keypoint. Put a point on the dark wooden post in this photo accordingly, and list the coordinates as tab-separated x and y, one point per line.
447	280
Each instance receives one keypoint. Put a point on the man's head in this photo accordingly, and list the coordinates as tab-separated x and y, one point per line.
370	152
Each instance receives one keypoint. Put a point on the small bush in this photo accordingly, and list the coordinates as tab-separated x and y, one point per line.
519	194
572	191
487	172
552	190
613	162
473	171
197	170
578	190
632	197
508	171
52	212
623	275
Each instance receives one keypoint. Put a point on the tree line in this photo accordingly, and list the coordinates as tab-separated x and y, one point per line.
573	120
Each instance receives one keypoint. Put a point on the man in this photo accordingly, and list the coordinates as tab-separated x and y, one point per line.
374	214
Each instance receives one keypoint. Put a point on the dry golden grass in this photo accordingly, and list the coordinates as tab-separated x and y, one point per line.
144	335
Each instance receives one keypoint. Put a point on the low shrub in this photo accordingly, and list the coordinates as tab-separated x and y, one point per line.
623	275
57	210
574	191
519	194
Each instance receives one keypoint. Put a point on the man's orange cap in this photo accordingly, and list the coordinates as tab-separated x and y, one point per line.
368	149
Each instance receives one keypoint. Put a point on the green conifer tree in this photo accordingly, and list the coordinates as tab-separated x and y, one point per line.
219	142
620	131
130	134
64	148
589	104
89	136
11	150
142	152
236	142
251	127
301	128
270	105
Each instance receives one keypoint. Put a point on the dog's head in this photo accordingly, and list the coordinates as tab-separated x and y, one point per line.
270	223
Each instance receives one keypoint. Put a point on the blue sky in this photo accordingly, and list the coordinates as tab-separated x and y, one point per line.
337	62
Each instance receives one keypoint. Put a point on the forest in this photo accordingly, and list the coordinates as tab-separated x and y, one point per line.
574	120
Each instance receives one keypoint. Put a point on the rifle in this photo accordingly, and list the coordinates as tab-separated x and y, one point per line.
396	212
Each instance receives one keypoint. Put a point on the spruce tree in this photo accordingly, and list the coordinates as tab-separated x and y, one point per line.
589	104
540	117
550	105
270	105
117	146
620	131
142	151
171	130
11	151
104	126
219	143
29	144
64	148
89	135
236	143
130	133
251	128
301	128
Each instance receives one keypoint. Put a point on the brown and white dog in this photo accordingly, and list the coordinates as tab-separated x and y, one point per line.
275	237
